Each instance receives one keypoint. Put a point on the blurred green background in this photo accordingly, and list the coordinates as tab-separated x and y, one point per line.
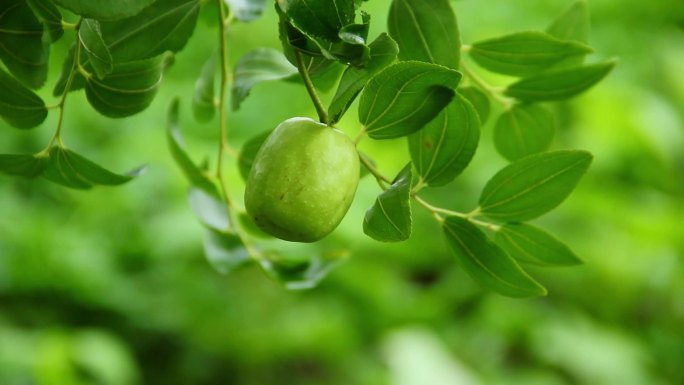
111	287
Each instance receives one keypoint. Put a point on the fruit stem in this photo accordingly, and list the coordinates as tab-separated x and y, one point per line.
322	114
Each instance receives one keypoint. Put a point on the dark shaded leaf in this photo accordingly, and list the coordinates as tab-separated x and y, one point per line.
529	244
22	49
26	165
91	39
446	145
533	185
389	219
486	263
259	65
425	30
404	97
559	84
19	106
319	18
67	66
70	169
525	53
524	129
105	9
49	15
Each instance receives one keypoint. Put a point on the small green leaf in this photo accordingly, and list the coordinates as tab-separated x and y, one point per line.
67	66
486	263
389	219
203	99
164	26
26	165
209	209
19	106
479	100
91	39
259	65
525	53
321	19
529	244
446	145
524	129
175	140
49	15
70	169
225	252
247	10
404	97
298	272
22	49
248	153
383	51
533	185
573	24
559	84
127	90
105	9
426	30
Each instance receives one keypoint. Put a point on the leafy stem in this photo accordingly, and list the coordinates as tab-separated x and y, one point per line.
322	114
485	87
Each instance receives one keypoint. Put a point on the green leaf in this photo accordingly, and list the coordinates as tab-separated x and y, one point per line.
559	84
389	219
67	66
299	272
525	53
446	145
48	14
533	185
90	36
573	24
22	49
164	26
209	209
524	129
225	252
404	97
72	170
19	106
259	65
175	141
105	9
247	10
248	153
203	99
319	18
529	244
478	99
426	30
383	52
26	165
486	263
127	90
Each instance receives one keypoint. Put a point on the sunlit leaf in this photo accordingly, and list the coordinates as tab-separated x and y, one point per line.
105	9
300	272
426	30
445	146
91	39
533	185
319	18
49	15
72	170
525	53
259	65
19	106
524	129
478	99
26	165
248	153
389	219
383	51
247	10
209	209
404	97
529	244
486	263
203	99
573	24
127	90
559	84
22	49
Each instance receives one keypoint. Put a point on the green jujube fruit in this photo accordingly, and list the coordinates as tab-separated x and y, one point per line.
302	181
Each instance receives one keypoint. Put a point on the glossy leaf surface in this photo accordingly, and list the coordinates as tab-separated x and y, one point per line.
530	244
524	129
94	46
389	219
